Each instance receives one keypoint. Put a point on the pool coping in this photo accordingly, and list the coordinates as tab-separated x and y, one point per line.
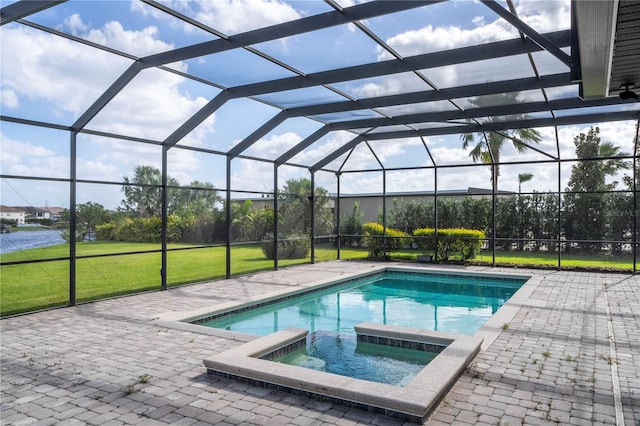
413	402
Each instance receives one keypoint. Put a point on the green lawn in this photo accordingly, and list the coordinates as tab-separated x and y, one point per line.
27	287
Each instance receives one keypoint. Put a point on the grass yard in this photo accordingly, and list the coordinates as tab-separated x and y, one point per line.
28	287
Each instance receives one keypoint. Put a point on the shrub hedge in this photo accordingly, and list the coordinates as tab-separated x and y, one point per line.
380	241
295	247
459	242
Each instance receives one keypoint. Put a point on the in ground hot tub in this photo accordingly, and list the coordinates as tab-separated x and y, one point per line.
253	363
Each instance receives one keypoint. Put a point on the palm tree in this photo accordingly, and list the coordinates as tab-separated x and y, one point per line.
523	177
490	144
143	192
612	165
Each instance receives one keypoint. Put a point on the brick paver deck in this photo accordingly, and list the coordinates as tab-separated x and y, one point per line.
569	356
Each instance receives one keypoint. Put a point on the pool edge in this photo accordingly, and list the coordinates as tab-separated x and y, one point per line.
414	401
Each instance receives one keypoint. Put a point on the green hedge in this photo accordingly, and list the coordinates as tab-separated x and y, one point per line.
142	230
378	245
459	242
295	247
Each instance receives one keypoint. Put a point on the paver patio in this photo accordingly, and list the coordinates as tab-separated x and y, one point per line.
569	356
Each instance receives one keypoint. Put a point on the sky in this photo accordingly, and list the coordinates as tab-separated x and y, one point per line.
48	78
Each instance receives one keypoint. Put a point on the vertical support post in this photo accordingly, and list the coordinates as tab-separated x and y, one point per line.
435	212
338	243
384	213
227	211
275	217
559	217
312	198
634	213
559	212
72	217
493	213
163	267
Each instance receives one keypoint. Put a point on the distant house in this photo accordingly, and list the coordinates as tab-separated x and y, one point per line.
53	213
39	213
13	213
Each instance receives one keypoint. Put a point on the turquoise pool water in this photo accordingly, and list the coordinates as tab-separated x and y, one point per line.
342	354
450	303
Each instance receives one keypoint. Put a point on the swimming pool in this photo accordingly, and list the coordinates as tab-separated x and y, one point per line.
441	297
431	301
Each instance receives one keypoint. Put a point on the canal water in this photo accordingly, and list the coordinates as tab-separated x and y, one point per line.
21	240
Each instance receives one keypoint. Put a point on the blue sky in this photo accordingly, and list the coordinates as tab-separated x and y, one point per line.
48	78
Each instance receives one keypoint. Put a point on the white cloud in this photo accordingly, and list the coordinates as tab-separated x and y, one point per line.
323	147
433	39
151	106
273	146
71	76
44	68
75	25
64	78
98	170
138	43
545	16
28	159
9	98
236	16
478	21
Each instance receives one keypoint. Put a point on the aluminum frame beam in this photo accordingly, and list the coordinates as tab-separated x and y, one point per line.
517	85
196	119
460	55
543	41
498	110
24	8
286	29
306	142
510	125
444	116
487	127
429	60
300	26
257	134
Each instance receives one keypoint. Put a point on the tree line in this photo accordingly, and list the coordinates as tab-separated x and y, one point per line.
196	213
592	209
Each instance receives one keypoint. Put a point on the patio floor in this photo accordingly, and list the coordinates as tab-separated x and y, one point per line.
565	358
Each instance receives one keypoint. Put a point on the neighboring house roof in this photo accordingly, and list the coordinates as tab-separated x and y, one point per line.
8	209
51	210
31	209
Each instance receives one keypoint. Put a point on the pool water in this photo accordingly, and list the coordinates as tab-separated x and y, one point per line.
439	302
342	354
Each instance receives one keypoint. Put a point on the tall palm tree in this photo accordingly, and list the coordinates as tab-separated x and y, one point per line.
489	145
612	165
522	178
143	191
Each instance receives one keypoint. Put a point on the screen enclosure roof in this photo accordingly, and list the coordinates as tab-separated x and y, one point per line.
306	83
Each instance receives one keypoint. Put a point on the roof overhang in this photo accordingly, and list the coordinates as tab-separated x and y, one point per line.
595	27
608	38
